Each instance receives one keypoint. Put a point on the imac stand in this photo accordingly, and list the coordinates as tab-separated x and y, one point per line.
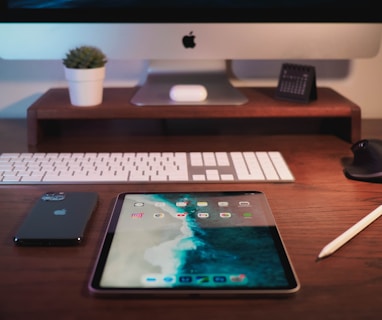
162	75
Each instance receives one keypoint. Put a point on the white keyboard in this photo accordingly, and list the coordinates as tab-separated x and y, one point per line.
166	167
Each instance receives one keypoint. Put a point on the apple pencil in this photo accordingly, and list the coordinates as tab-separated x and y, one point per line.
338	242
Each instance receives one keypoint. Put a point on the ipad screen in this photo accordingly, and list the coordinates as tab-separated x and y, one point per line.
193	243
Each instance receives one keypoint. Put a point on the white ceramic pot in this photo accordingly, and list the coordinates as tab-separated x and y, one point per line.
85	86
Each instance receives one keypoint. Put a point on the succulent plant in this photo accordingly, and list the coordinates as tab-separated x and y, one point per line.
84	57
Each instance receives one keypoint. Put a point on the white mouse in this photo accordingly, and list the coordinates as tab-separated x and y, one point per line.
188	93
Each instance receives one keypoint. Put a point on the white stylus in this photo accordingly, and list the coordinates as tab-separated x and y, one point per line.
338	242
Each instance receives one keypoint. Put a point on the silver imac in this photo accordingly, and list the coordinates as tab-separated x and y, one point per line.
190	42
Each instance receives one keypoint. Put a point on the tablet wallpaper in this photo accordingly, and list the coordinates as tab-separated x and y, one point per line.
164	242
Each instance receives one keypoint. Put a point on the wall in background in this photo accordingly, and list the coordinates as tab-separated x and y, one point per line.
22	82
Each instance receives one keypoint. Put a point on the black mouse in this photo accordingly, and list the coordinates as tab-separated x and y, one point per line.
367	161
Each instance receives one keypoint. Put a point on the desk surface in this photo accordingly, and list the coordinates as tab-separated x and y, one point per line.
51	282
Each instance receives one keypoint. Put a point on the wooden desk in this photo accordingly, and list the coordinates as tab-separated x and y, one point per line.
50	283
330	113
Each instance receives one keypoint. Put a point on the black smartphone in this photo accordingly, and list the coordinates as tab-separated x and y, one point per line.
57	219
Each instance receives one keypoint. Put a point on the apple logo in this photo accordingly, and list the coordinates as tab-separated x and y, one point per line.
59	212
189	40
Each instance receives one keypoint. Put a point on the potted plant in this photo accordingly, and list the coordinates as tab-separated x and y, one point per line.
85	72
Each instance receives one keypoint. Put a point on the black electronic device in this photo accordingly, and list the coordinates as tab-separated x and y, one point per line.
297	83
57	219
366	164
192	244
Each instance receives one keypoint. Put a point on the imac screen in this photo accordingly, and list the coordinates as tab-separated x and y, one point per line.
190	11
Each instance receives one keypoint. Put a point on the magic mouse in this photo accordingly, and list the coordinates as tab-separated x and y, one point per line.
367	161
188	93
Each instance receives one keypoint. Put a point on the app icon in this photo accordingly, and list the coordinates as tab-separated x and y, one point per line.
168	279
247	215
158	215
137	215
160	204
202	279
139	204
185	279
223	203
150	279
203	215
202	203
220	279
244	204
181	214
181	203
225	215
238	278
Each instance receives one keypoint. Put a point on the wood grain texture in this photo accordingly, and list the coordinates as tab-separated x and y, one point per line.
51	283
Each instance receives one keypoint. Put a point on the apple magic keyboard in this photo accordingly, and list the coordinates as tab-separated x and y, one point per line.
141	167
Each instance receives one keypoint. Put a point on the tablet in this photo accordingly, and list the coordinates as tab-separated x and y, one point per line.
192	244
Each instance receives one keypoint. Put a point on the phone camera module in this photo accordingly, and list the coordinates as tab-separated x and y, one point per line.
53	196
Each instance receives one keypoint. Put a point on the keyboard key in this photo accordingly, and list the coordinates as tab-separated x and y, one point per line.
267	166
209	159
198	177
222	159
212	175
227	177
281	166
253	165
196	159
